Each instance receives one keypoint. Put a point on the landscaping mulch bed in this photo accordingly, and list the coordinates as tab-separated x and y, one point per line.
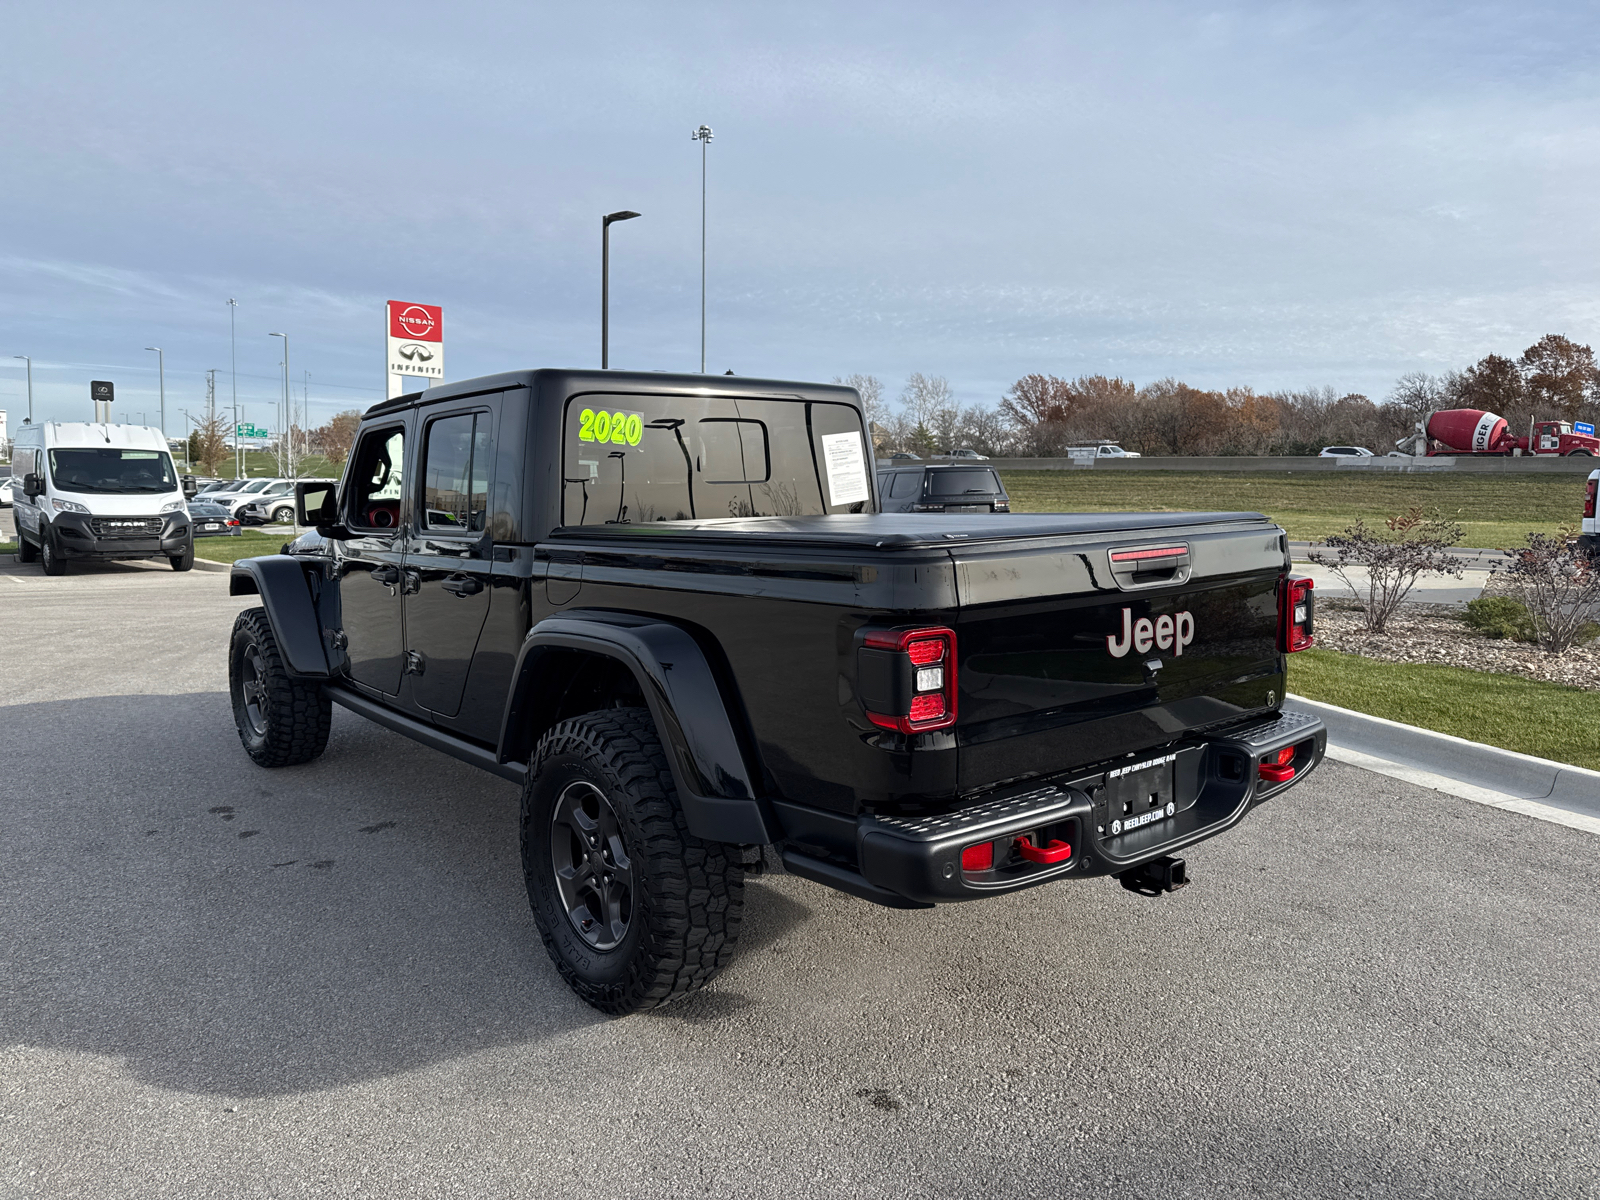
1434	633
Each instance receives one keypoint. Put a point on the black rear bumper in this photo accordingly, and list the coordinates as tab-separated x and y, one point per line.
1110	818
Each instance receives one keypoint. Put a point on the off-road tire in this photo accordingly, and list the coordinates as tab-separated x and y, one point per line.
184	561
294	714
49	557
688	894
27	552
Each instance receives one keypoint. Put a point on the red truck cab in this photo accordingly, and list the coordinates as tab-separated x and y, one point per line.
1558	437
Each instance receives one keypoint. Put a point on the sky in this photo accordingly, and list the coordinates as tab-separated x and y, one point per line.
1273	195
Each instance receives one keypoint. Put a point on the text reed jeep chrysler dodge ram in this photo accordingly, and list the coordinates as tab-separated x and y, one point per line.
669	608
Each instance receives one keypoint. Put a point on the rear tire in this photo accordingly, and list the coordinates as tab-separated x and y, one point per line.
283	516
26	551
49	559
282	721
602	830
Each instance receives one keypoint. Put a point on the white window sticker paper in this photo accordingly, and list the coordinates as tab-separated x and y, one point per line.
847	468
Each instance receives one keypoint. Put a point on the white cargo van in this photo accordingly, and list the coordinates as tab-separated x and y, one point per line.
97	492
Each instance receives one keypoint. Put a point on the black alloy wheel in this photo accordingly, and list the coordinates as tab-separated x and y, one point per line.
635	911
592	869
282	721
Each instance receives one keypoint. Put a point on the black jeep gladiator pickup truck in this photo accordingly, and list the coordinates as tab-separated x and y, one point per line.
669	608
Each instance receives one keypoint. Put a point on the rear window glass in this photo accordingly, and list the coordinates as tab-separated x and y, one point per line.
637	459
959	483
906	483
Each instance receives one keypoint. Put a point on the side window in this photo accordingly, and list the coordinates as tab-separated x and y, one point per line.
906	483
455	474
375	480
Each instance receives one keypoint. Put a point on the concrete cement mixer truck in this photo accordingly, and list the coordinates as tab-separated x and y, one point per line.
1474	431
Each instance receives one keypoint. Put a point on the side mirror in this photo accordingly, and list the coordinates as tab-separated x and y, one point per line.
189	487
316	504
32	485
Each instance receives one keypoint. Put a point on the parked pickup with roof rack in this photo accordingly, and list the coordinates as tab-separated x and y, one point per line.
669	608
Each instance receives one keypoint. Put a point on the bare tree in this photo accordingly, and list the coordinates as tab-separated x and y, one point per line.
1414	545
925	396
1418	394
870	389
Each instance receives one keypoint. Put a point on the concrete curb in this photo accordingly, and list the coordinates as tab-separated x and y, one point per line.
1537	787
205	564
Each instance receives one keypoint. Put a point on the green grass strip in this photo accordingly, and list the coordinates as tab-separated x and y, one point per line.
249	544
1493	509
1509	711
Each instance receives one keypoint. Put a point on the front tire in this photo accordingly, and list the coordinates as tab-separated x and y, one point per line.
635	911
49	558
184	561
282	721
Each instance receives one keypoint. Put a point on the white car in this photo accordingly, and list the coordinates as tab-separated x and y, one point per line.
1346	452
274	505
5	492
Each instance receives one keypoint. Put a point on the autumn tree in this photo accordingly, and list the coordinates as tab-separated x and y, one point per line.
335	438
1560	374
208	444
1493	383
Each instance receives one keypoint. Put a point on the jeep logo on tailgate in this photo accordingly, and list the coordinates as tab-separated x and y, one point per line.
1167	632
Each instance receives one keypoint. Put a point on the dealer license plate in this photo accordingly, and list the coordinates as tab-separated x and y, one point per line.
212	525
1140	794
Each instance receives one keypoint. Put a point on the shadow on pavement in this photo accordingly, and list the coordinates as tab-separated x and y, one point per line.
233	930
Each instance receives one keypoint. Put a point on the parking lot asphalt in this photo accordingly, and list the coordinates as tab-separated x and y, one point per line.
221	981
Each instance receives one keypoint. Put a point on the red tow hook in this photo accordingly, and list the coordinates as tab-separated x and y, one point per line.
1278	767
1056	851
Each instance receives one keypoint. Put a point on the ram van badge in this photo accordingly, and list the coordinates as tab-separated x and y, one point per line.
1169	631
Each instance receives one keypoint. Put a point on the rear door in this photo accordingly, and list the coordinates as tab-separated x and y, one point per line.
449	562
1067	658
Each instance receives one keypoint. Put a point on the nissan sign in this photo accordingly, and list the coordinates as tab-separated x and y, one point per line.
416	345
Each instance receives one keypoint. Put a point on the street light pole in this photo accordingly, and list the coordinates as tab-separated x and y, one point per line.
605	282
29	361
161	369
233	356
286	447
703	136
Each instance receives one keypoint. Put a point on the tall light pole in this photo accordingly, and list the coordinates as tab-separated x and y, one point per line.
703	136
605	281
233	358
287	449
29	361
161	370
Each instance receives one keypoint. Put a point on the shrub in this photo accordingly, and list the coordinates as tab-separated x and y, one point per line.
1560	586
1500	617
1410	545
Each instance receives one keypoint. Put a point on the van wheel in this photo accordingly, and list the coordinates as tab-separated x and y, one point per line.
26	551
282	721
182	562
49	559
635	911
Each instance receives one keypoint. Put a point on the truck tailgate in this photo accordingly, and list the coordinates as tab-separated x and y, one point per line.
1069	658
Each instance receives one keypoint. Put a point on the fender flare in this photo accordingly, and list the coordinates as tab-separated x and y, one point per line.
286	593
715	783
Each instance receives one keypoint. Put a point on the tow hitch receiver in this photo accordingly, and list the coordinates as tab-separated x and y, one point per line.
1164	874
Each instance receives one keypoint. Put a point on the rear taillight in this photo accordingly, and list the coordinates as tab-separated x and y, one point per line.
907	679
1588	499
1297	618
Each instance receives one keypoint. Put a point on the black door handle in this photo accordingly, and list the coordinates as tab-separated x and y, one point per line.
412	584
386	575
463	585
